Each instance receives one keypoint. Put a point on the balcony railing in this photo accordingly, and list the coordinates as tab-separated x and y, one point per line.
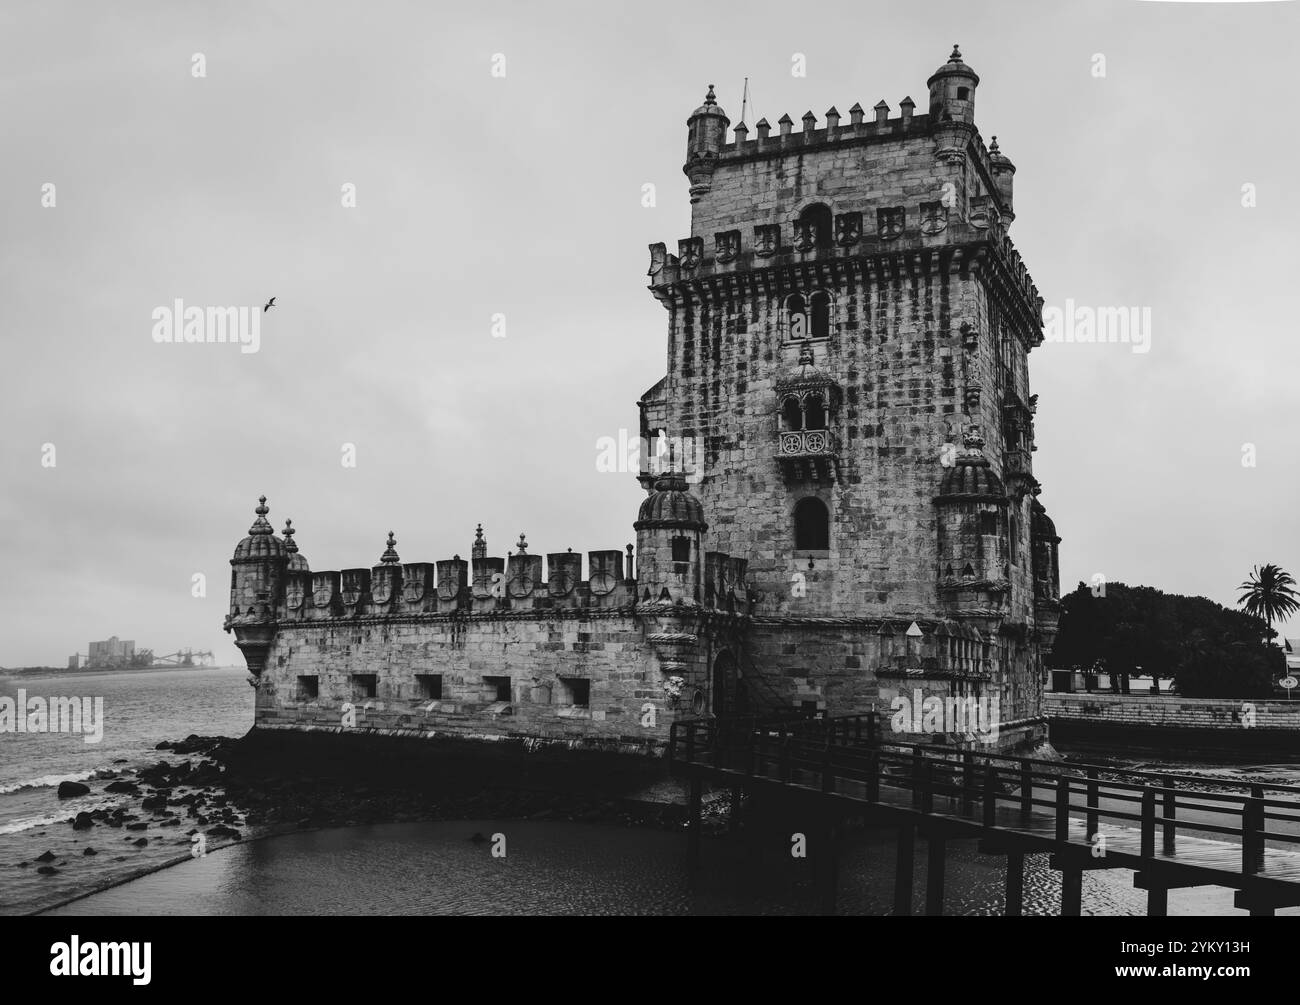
807	443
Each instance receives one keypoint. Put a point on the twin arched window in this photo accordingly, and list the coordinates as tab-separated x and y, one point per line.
812	525
808	317
806	413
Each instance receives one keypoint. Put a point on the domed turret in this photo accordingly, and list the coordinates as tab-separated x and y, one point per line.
257	576
706	133
952	90
1003	172
261	541
669	530
671	505
973	524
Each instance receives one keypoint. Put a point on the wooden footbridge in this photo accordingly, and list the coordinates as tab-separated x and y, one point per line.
1171	831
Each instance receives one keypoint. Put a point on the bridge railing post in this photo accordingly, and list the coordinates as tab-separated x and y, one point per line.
917	768
1148	821
967	780
927	786
1252	827
873	728
1062	808
990	794
1093	803
1026	788
1168	811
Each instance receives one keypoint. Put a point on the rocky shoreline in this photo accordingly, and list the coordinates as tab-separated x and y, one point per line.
213	791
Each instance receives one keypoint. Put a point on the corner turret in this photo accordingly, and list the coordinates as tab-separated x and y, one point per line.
706	133
257	574
952	90
669	531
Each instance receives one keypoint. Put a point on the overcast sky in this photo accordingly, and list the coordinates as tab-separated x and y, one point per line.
521	195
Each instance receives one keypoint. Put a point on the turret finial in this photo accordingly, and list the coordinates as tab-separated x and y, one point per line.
523	545
956	54
289	544
260	525
479	548
993	147
710	98
389	556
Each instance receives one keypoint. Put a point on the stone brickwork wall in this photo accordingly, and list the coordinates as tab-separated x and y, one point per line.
539	655
1170	712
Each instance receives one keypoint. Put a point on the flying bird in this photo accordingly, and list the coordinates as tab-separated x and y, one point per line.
269	304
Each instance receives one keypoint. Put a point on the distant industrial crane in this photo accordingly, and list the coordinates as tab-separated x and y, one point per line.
186	658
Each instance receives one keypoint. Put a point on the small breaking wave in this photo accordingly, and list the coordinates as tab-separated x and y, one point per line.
51	781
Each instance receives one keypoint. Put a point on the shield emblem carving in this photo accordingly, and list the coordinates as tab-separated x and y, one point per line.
890	222
767	238
934	217
451	579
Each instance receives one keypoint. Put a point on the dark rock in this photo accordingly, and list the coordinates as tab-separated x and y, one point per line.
47	870
48	856
129	788
70	790
221	830
83	822
90	851
141	842
140	825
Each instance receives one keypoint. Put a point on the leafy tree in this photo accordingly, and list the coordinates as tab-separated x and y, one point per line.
1209	650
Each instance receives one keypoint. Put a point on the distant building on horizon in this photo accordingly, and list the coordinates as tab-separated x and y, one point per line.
111	652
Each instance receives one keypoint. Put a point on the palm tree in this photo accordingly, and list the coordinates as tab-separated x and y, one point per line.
1270	594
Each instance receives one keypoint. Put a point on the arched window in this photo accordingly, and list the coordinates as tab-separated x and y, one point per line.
819	315
812	525
792	414
819	216
796	316
814	413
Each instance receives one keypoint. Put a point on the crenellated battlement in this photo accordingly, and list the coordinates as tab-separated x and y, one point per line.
483	585
857	131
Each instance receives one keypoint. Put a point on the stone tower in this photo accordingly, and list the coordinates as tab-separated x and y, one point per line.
849	329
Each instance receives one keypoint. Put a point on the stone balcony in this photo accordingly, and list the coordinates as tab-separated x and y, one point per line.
808	454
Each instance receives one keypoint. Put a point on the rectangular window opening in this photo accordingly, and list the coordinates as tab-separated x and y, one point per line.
365	685
430	686
308	688
496	688
577	691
